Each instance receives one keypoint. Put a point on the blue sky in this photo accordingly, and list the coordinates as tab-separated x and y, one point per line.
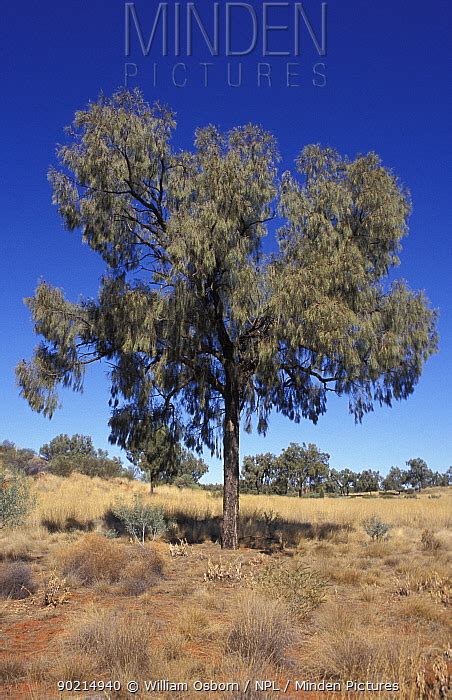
387	68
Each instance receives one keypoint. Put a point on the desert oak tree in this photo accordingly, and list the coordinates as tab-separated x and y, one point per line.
201	329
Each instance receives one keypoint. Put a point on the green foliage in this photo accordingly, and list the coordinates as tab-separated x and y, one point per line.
67	446
395	480
103	467
367	480
302	589
190	467
131	195
341	481
67	454
162	460
200	326
258	473
15	498
140	519
19	459
376	528
185	481
303	466
419	475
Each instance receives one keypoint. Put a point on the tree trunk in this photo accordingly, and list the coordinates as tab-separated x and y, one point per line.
151	487
231	462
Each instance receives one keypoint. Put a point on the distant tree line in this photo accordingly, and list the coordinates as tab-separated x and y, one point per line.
304	470
300	470
158	461
62	456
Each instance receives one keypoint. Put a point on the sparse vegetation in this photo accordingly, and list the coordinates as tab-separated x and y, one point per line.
16	581
429	541
140	519
15	498
376	528
294	583
262	631
117	641
94	559
265	611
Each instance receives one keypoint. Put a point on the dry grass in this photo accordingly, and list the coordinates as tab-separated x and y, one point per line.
385	617
16	581
262	631
12	668
194	623
23	544
81	501
93	559
338	649
118	641
78	501
143	570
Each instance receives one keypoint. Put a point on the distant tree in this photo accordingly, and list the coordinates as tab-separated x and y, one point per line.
17	458
66	454
418	474
342	480
438	479
258	472
202	328
157	456
68	446
190	469
165	462
367	480
395	480
303	465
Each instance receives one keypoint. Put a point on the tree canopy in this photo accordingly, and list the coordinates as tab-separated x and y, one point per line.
201	328
161	460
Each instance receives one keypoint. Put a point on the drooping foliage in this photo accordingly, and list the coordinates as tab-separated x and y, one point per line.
160	460
199	327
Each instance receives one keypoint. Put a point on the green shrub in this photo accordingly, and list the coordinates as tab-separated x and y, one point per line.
376	528
301	588
185	481
140	519
15	499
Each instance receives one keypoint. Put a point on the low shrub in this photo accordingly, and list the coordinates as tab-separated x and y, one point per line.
56	591
301	588
262	630
94	558
376	528
15	498
429	541
143	571
118	640
141	520
16	580
231	571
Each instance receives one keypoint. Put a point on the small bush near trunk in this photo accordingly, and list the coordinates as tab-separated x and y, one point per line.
16	580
